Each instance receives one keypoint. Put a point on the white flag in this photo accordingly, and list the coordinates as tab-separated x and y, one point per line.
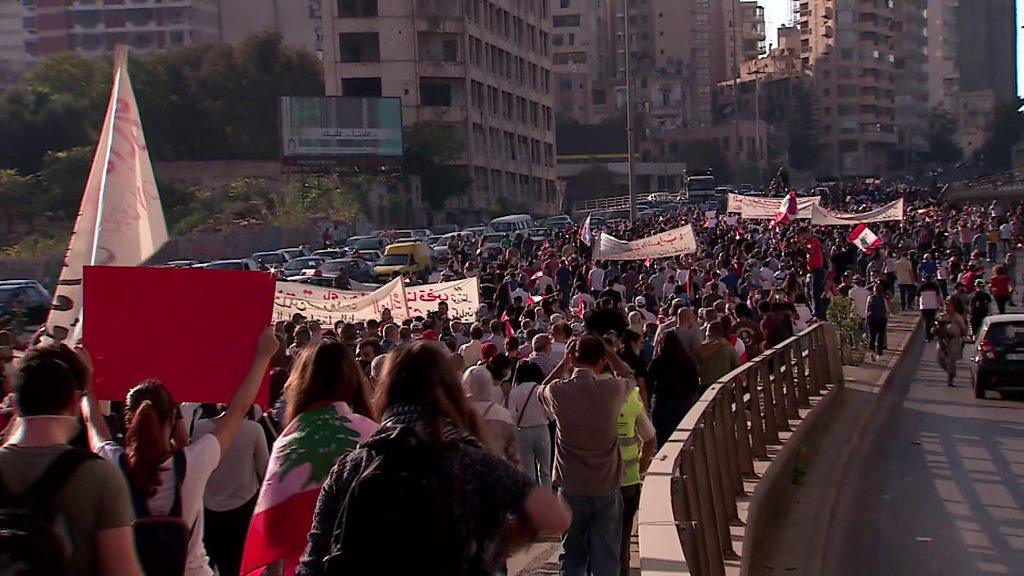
120	221
587	233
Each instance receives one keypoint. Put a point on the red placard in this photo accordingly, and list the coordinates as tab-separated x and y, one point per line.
194	330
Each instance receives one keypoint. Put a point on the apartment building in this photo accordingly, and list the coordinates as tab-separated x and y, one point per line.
972	62
481	66
95	27
298	22
848	47
12	35
910	80
740	38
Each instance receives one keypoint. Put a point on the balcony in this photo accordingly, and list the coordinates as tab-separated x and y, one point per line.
441	69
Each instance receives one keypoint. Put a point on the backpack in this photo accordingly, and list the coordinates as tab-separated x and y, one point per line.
30	532
396	518
161	541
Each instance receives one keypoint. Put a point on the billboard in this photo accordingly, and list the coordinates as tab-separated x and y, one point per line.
338	127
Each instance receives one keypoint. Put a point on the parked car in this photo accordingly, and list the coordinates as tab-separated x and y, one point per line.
26	297
359	243
539	234
413	234
331	253
997	362
478	231
246	264
371	256
442	229
412	258
271	260
302	266
293	253
559	222
358	270
322	281
181	264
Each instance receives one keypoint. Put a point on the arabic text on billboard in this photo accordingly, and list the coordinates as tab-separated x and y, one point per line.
339	127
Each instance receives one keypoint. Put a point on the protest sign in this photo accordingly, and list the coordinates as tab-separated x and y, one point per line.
822	216
327	305
671	243
194	330
462	296
120	220
752	208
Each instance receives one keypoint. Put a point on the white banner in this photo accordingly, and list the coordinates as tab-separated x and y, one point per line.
120	220
462	296
671	243
768	208
824	217
328	305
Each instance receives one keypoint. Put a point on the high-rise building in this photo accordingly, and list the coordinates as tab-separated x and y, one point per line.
29	30
972	62
740	38
910	79
480	66
94	27
848	48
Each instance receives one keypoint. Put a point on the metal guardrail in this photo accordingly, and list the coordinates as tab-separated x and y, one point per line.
690	494
614	202
1011	178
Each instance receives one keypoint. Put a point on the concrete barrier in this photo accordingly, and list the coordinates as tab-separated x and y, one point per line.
702	493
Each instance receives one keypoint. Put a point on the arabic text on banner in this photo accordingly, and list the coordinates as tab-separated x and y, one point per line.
672	243
120	221
768	208
328	305
462	296
890	212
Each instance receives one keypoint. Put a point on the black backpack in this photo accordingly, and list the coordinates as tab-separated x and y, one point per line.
162	541
32	542
396	518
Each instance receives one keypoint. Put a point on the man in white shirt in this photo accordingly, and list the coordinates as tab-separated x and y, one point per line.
859	294
541	355
1005	235
470	351
596	279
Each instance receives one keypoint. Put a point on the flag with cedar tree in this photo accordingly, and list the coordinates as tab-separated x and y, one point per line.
302	458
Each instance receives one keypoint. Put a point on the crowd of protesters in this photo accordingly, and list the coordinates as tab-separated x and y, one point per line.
439	445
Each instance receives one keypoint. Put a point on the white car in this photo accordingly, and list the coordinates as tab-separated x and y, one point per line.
240	264
304	266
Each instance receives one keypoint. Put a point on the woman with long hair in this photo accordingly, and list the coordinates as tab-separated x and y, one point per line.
327	413
531	420
465	496
673	381
156	453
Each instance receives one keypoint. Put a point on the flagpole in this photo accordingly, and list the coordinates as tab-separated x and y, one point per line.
120	54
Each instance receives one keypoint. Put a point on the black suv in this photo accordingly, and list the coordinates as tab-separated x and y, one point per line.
998	359
23	304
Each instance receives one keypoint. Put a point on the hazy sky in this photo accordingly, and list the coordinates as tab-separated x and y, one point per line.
778	12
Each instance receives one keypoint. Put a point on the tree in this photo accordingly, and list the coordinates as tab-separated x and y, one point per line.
1005	132
431	150
705	154
942	145
15	197
63	177
595	181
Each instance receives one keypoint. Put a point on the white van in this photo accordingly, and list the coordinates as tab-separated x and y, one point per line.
512	224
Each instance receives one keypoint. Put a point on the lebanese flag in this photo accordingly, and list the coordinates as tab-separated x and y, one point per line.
586	232
865	239
299	463
788	209
537	298
537	275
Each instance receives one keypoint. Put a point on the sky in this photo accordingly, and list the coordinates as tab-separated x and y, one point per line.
779	12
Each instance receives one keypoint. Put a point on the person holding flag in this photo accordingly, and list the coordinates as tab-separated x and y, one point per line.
587	233
788	210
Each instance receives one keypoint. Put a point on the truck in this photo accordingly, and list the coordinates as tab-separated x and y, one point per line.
701	190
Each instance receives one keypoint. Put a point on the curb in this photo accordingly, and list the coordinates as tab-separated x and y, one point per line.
863	436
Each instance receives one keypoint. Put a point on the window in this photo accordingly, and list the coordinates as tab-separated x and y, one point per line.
364	87
357	8
359	47
556	40
563	4
435	93
599	96
566	20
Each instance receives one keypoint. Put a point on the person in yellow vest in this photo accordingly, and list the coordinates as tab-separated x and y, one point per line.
637	447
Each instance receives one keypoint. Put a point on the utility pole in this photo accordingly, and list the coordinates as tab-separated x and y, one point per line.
630	129
757	123
735	84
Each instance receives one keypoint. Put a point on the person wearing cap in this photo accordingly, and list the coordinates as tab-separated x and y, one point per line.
978	306
641	307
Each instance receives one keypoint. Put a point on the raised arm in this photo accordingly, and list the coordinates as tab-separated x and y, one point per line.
226	427
95	423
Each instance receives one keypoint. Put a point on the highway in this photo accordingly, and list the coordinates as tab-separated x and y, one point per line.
939	488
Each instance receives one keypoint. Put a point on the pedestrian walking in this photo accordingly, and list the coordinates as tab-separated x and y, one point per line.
950	333
877	313
929	300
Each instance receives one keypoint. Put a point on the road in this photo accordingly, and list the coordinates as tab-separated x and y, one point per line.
940	488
